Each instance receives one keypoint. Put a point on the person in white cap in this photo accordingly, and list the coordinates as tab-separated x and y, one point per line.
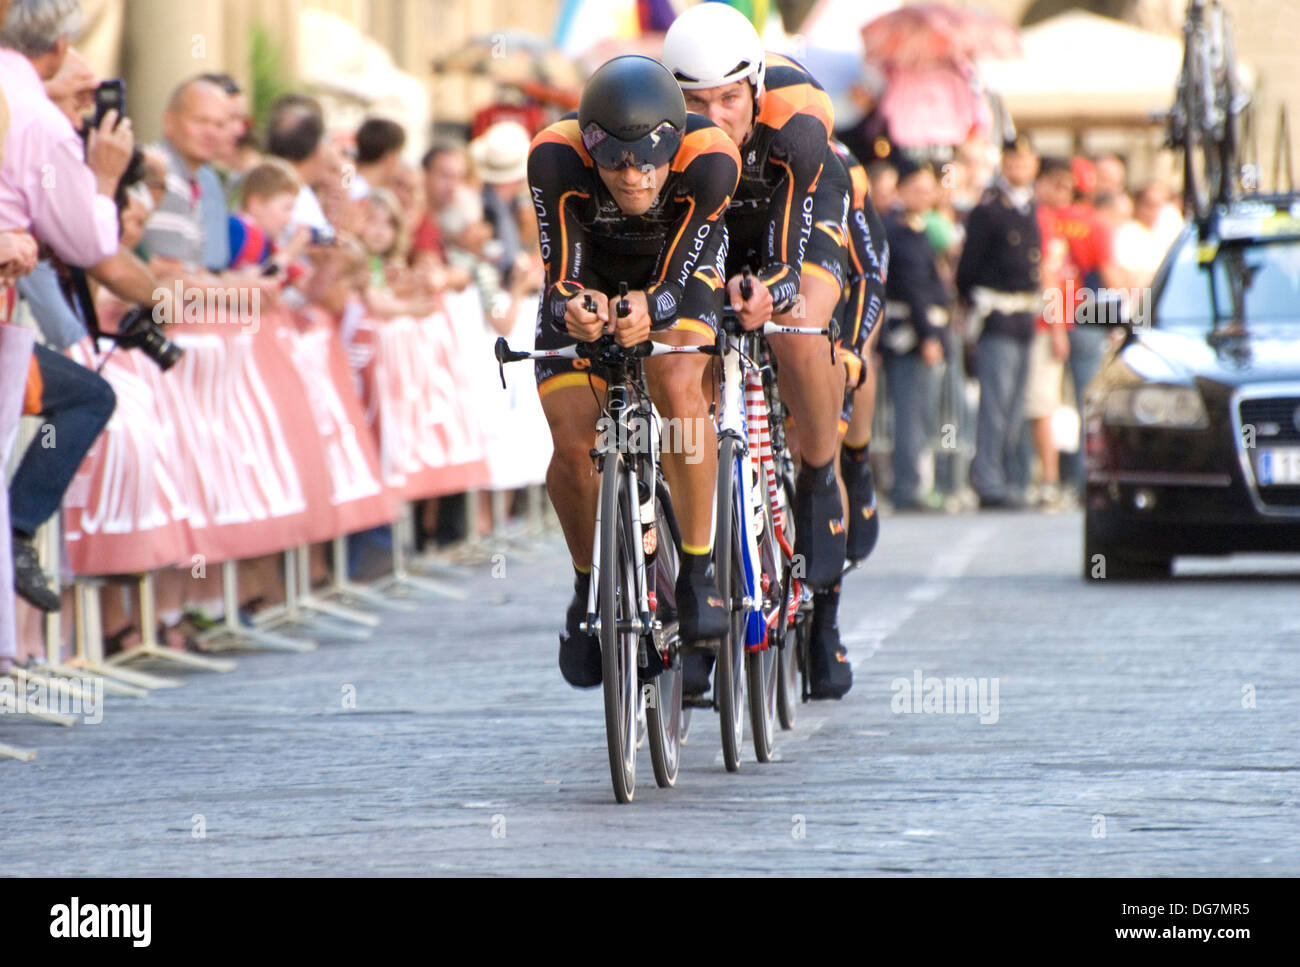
500	156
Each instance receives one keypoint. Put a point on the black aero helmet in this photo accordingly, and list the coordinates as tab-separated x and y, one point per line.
632	112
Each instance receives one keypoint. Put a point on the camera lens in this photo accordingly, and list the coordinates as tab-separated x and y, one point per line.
160	349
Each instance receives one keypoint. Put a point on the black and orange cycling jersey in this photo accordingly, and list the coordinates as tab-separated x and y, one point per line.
579	221
771	215
868	257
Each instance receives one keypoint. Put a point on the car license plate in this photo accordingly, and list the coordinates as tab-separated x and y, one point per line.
1278	466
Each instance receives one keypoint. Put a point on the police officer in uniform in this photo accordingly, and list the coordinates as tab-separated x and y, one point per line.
999	279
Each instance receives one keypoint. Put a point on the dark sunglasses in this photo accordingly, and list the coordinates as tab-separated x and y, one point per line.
657	148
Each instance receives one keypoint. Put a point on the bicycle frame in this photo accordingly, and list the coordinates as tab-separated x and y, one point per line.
744	415
614	440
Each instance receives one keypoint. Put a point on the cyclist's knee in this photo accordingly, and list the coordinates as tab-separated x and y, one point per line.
817	301
678	389
571	455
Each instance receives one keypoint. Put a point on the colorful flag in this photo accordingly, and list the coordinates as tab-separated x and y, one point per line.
754	10
655	16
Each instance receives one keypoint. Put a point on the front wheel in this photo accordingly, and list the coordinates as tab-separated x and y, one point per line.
618	645
1200	163
728	675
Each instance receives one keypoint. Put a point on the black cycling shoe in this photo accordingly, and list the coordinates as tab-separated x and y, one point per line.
29	579
654	663
579	651
696	669
830	671
819	536
702	616
864	522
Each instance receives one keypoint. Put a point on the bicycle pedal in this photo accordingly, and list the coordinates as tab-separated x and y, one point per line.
663	635
704	646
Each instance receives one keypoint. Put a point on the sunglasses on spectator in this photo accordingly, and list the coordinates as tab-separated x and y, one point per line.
655	149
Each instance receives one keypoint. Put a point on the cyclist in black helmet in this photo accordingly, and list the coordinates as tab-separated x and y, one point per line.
632	190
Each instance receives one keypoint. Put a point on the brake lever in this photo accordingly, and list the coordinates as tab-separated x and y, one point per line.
500	350
623	308
746	284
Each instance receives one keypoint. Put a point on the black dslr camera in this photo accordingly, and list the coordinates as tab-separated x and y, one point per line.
137	330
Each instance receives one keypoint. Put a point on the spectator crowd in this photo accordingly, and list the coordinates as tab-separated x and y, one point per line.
308	218
1018	283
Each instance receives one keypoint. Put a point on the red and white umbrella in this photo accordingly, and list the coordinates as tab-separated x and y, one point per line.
933	105
931	34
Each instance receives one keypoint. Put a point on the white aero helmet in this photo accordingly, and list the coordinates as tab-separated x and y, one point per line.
712	44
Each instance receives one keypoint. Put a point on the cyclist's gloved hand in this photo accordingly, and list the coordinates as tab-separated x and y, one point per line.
634	328
855	367
755	311
582	325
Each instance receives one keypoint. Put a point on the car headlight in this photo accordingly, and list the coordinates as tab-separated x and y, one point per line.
1171	406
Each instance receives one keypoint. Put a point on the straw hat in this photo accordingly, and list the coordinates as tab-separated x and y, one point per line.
501	153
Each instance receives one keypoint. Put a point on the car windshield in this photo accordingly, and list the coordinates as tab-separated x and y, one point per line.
1272	294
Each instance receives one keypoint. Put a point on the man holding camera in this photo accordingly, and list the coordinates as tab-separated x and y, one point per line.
62	192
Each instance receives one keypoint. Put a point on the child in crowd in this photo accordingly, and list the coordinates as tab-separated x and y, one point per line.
381	234
394	290
270	190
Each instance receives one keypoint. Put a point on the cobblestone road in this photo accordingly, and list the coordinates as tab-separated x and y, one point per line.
1125	741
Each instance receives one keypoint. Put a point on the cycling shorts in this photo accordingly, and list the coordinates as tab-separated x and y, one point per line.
701	307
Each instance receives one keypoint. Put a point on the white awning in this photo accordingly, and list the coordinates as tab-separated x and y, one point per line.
1079	66
337	59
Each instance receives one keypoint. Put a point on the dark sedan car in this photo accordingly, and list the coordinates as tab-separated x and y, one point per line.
1193	422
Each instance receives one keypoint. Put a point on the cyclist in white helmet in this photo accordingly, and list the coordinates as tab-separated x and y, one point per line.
788	221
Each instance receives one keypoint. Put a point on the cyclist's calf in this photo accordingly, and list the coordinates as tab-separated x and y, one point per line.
570	479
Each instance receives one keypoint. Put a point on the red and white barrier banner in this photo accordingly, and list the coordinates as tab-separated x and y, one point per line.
487	436
125	510
247	446
257	440
517	438
357	493
421	397
15	357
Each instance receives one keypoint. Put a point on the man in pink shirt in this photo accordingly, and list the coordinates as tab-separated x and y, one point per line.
50	185
62	193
